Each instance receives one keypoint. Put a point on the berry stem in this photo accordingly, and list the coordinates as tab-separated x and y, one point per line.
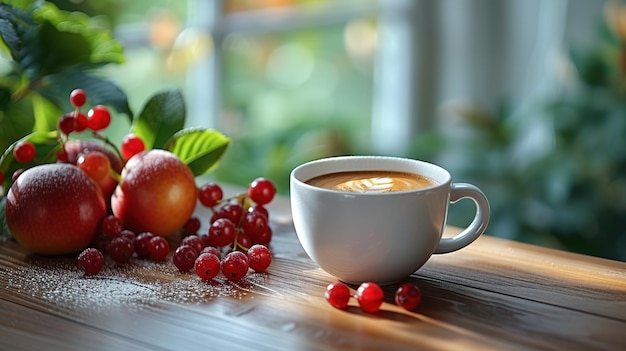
108	142
115	175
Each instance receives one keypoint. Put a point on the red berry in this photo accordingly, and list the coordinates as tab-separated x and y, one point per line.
259	208
141	244
338	295
408	296
120	249
192	226
159	248
67	123
261	191
91	261
210	194
62	156
129	234
17	174
98	118
78	97
259	257
232	211
370	296
95	164
131	145
81	121
254	224
213	250
263	237
24	151
185	257
1	177
111	226
194	241
235	266
207	266
222	232
244	241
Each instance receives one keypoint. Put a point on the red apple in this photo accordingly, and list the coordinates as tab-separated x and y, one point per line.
157	194
74	148
54	209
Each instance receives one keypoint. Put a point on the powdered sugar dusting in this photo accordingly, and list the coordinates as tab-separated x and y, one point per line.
136	285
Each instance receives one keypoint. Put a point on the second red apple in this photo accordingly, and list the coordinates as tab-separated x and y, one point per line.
157	194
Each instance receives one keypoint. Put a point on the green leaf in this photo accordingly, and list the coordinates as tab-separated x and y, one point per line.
200	149
57	88
46	145
102	47
162	116
14	24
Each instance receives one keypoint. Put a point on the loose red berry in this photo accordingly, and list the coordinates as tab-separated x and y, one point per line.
141	244
78	97
259	257
185	257
24	151
338	295
91	261
261	191
210	194
120	249
98	118
235	266
207	266
194	241
159	248
192	226
129	234
111	226
213	250
408	296
370	296
131	145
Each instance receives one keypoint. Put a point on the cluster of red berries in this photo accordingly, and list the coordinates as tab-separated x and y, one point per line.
370	296
236	242
97	119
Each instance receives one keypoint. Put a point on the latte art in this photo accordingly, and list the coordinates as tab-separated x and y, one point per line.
371	181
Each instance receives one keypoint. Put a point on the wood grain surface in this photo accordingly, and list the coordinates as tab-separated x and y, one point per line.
493	295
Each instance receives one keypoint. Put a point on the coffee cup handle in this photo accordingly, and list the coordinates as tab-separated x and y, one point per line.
460	191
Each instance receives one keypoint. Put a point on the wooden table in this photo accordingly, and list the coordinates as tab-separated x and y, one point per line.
493	295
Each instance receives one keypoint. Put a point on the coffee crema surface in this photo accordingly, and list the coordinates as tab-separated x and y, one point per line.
371	181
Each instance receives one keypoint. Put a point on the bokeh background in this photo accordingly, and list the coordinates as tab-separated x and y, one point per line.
526	99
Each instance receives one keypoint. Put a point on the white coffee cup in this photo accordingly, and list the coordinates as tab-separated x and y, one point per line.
378	237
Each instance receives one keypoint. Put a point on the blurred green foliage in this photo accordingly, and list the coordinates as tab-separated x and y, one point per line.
291	97
50	52
569	192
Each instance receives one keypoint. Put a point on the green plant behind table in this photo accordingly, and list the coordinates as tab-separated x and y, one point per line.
48	53
573	194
